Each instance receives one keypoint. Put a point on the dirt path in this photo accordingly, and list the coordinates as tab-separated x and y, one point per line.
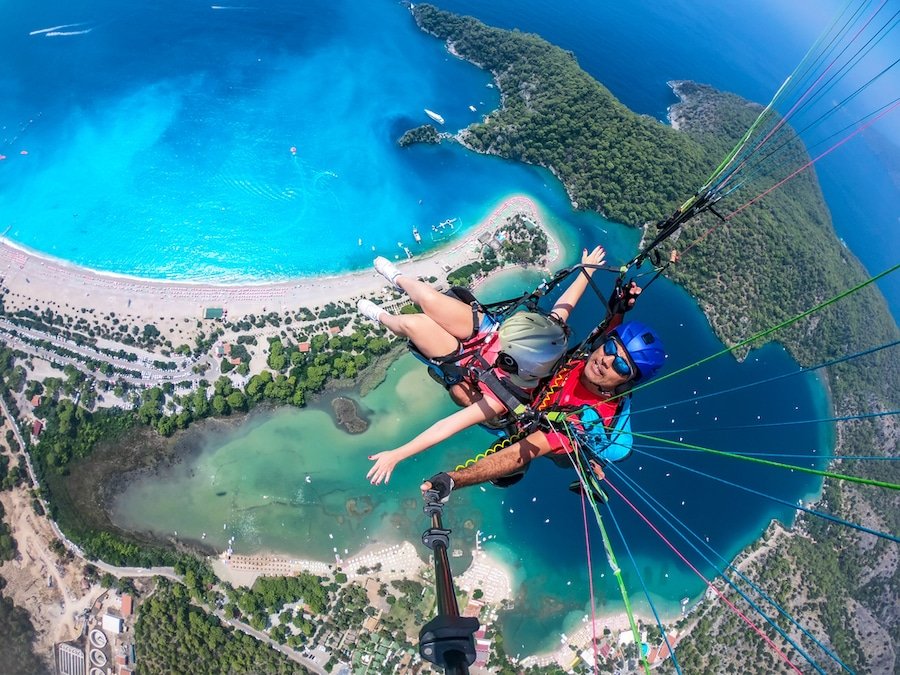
53	607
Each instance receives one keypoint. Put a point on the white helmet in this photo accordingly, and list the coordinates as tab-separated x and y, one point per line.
531	346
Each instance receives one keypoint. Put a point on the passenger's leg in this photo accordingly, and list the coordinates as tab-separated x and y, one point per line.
429	337
451	314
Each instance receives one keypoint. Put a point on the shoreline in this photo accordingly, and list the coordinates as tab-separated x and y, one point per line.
41	277
397	561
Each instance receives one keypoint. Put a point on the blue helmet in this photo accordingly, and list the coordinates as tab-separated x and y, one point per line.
644	347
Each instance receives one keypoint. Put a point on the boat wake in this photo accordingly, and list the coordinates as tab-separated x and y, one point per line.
56	28
57	31
261	189
66	33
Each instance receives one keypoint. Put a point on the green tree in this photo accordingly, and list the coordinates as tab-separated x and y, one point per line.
220	405
236	400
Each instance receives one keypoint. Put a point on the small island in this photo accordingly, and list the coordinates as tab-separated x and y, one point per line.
346	414
423	134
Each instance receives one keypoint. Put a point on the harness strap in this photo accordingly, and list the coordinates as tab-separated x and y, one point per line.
554	386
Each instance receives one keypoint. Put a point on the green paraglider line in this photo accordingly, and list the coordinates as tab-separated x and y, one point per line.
777	500
758	460
640	577
767	380
660	510
607	546
767	331
719	593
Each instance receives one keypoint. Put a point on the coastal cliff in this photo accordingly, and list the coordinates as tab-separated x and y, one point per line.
766	265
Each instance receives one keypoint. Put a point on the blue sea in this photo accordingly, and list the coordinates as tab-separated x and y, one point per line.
183	140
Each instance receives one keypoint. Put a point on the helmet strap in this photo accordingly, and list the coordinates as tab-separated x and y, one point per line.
625	387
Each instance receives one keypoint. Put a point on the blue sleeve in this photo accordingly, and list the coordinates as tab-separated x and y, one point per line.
608	446
619	444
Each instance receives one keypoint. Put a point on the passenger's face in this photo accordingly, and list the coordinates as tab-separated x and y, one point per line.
599	370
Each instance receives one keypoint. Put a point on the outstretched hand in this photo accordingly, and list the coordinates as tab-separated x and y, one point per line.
383	468
595	257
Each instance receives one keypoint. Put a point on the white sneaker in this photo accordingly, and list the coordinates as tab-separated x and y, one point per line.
369	310
387	269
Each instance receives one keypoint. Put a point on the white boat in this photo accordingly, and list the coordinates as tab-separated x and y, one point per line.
472	108
433	115
417	236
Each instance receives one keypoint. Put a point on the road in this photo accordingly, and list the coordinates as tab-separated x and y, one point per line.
144	364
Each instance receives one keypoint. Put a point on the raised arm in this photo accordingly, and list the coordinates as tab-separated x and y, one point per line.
478	412
573	293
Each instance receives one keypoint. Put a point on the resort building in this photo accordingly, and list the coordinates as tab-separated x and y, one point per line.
113	624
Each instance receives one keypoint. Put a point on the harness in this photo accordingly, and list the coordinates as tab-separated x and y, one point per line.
448	371
523	415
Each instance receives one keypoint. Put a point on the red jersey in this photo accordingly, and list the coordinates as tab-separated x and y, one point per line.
572	394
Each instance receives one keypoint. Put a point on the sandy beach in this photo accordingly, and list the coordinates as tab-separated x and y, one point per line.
397	561
36	279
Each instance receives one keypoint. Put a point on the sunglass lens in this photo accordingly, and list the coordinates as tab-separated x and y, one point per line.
621	366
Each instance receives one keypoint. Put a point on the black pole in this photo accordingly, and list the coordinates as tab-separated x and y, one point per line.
448	639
